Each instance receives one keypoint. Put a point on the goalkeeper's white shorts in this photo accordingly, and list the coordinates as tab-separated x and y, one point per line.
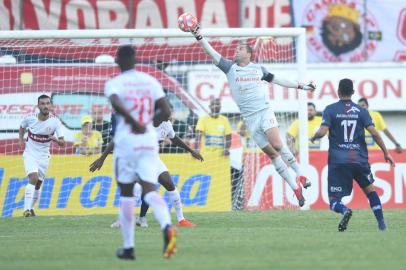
258	123
34	164
131	166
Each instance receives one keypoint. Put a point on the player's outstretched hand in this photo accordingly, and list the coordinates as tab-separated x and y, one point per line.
96	165
388	158
311	86
398	149
196	32
197	155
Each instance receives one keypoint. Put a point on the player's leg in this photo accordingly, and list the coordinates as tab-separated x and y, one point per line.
283	171
147	172
142	219
166	181
274	139
126	219
31	170
339	185
42	171
365	180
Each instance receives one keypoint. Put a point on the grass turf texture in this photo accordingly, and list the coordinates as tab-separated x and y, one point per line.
234	240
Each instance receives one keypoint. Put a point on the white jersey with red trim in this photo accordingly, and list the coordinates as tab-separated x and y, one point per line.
38	141
138	92
165	130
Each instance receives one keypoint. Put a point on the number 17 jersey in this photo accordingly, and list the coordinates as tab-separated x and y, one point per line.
346	121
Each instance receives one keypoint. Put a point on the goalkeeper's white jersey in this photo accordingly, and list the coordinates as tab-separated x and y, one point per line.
38	141
165	130
248	91
138	92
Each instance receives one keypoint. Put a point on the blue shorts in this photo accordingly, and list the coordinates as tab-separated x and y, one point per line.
340	178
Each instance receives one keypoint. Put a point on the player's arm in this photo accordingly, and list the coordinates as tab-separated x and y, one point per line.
60	140
21	133
162	111
381	144
119	108
388	134
98	163
179	142
323	130
206	45
276	79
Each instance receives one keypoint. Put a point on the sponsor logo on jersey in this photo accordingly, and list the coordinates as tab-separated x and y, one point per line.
353	110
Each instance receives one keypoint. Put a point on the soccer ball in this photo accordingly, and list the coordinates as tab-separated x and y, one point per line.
187	21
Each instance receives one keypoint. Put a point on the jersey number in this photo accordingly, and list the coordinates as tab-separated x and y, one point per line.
144	107
349	124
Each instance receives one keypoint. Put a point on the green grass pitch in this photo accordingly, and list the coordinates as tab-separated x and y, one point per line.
280	239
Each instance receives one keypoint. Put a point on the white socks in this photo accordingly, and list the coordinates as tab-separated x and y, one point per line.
290	159
35	198
159	208
282	169
177	204
126	218
29	196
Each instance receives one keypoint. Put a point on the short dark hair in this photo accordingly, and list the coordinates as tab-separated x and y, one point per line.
43	97
346	87
363	100
311	104
125	57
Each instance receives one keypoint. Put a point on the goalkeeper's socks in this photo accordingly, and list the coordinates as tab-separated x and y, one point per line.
144	208
338	207
159	208
29	196
376	207
177	203
283	171
126	217
290	159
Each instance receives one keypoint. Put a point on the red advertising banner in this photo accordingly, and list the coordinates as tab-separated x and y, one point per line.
264	188
113	14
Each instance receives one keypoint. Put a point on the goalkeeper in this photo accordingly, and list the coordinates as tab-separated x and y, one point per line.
245	79
164	130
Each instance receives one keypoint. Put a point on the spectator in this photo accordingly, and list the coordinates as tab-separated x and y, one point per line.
380	126
314	122
101	125
213	135
88	141
215	130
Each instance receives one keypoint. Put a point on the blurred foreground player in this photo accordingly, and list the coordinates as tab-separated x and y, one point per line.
135	96
345	122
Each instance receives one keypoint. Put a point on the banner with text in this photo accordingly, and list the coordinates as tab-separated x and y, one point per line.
70	189
265	189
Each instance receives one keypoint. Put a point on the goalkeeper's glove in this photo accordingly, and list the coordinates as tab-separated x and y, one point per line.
309	87
196	32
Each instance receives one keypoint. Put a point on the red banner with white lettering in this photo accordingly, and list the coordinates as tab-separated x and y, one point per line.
264	188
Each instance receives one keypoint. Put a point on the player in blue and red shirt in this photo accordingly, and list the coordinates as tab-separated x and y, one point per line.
345	122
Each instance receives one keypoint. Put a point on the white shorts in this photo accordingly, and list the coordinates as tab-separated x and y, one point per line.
136	163
35	164
161	167
258	123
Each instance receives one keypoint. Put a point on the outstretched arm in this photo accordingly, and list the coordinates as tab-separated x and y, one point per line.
179	142
323	130
206	45
98	163
269	77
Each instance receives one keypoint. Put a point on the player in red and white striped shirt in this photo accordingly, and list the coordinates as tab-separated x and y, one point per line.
42	128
